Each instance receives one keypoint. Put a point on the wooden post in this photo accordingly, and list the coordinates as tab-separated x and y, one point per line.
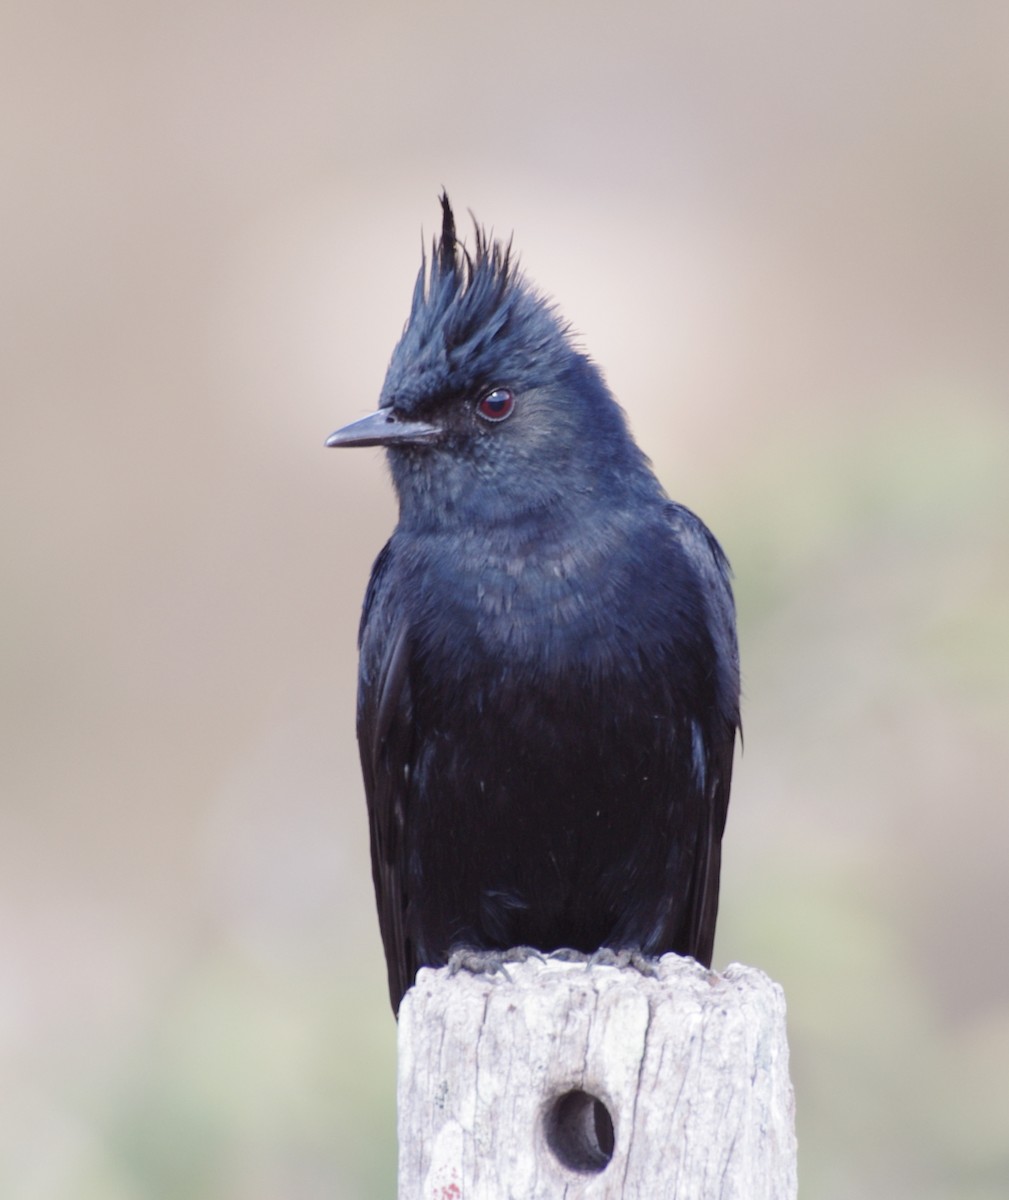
595	1083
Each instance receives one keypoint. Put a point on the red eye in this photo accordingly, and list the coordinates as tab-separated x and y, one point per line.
496	405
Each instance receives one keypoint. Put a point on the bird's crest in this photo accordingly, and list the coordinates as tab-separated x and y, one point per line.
445	250
467	307
463	292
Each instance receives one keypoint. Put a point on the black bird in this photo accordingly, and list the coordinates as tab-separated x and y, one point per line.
549	682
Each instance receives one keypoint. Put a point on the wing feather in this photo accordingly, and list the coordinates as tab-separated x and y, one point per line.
385	742
715	729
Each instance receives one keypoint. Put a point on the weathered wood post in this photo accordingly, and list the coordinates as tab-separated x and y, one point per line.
595	1083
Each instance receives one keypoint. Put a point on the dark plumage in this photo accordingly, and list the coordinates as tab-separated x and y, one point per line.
549	682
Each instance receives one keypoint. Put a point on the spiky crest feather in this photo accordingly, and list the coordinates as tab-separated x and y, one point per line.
466	308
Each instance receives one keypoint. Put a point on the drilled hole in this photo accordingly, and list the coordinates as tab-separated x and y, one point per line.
580	1132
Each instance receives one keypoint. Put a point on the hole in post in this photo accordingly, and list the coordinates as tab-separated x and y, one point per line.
579	1131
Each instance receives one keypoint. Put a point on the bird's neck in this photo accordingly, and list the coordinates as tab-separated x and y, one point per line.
452	501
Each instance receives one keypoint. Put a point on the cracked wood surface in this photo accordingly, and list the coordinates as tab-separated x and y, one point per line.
692	1068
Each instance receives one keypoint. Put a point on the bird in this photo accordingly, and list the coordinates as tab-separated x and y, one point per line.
548	692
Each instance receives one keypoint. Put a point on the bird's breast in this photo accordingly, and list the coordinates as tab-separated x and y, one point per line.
595	593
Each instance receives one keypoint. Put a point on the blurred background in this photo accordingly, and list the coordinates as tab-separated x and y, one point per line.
782	230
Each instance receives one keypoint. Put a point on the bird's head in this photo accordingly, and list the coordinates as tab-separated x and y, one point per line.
488	409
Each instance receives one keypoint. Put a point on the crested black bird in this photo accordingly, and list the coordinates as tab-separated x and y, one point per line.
549	683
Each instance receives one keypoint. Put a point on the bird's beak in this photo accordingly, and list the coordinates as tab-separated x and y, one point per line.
383	428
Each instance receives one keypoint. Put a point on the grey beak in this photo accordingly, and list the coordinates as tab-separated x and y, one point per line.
383	428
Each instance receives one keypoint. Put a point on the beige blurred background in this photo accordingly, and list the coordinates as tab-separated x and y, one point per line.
782	230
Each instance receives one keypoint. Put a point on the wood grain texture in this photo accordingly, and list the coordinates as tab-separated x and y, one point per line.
692	1067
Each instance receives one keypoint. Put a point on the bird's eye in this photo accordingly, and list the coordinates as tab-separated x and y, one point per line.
496	405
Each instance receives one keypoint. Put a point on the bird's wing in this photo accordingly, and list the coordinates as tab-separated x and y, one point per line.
384	733
703	895
713	733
